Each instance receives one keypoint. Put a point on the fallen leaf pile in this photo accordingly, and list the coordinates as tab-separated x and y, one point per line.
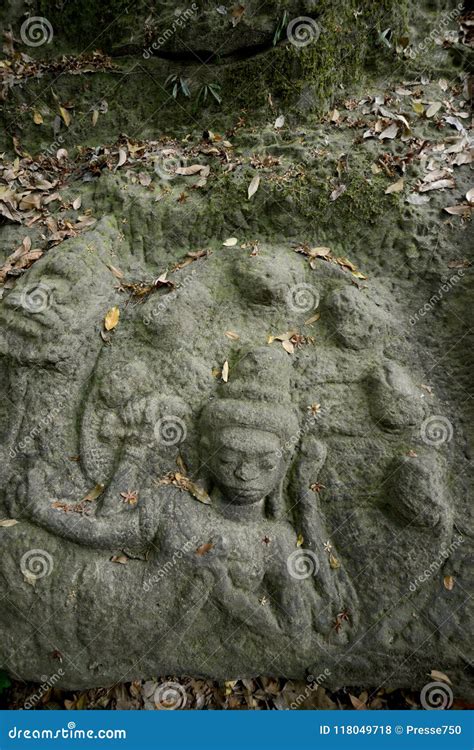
29	193
291	340
84	506
324	253
18	66
184	483
258	694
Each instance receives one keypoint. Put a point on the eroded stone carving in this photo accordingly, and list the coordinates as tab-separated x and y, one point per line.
314	476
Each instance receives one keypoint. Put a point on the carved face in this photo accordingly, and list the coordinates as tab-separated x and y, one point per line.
245	464
59	297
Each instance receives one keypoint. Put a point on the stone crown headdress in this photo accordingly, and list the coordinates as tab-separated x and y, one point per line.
257	396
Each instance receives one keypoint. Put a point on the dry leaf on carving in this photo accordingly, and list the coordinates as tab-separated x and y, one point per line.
65	115
433	109
254	185
184	483
122	158
192	169
112	318
438	185
357	703
436	675
116	272
337	192
448	582
461	210
389	133
94	493
121	559
204	549
396	187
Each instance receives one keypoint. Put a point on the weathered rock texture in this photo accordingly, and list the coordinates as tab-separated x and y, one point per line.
309	514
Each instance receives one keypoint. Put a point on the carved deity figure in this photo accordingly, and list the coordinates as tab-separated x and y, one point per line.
255	562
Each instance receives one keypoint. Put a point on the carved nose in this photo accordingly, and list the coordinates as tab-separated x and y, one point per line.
245	472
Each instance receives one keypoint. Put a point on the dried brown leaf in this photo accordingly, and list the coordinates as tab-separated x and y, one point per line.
204	549
112	318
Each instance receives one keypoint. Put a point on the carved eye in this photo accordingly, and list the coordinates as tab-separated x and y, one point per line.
268	464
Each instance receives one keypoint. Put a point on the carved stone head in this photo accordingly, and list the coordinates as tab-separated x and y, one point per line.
56	304
244	429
